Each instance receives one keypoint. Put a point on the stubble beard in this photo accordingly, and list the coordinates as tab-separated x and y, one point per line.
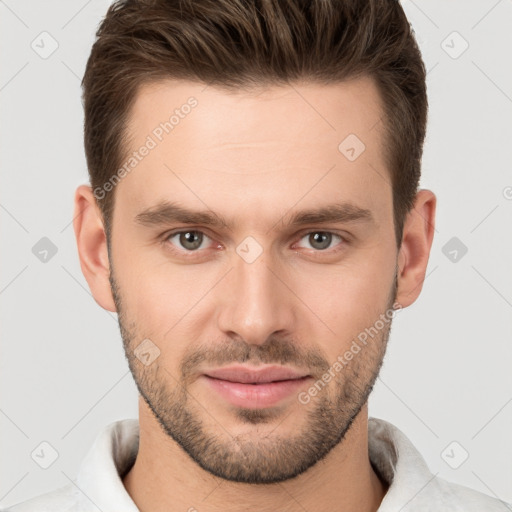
250	458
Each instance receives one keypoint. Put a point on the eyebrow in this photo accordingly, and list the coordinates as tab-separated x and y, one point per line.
167	212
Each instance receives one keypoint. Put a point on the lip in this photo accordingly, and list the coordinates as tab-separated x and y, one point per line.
253	388
255	375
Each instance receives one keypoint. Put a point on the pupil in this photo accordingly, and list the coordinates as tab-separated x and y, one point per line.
323	237
190	240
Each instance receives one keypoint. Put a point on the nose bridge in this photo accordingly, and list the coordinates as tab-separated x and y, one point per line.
255	303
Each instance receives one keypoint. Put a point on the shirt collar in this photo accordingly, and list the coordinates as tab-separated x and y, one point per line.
111	456
412	486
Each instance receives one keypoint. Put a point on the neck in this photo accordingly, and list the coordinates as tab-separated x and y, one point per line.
165	478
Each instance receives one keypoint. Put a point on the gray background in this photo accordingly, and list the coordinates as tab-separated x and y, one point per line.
447	373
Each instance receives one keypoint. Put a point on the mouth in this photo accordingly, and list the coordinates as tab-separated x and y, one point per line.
254	387
255	375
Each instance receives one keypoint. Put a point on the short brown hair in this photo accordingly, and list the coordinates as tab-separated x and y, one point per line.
239	44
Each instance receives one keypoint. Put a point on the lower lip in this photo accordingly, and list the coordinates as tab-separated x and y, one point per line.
255	396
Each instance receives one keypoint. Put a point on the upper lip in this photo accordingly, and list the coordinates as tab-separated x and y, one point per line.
247	375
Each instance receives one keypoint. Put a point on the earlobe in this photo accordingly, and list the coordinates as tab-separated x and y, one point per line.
92	246
418	234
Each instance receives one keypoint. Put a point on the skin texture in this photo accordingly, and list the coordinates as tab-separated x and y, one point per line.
255	159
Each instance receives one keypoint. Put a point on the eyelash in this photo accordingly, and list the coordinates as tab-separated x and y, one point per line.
191	254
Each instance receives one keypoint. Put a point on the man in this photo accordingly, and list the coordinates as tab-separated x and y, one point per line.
254	219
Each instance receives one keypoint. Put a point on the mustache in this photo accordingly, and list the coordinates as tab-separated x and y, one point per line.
273	351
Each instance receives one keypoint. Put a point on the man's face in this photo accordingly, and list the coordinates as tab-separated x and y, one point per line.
259	291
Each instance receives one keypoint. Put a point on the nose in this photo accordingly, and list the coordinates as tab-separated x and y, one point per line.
255	302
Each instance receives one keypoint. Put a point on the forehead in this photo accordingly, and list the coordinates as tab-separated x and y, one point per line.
264	143
294	112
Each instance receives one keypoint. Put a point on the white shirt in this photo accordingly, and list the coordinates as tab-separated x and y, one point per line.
412	487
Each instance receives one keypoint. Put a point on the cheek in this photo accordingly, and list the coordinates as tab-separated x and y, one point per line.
349	297
168	307
151	296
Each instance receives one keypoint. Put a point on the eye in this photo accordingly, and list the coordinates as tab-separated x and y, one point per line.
195	241
321	240
189	240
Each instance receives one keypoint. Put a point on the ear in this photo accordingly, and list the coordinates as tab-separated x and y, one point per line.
417	237
92	246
